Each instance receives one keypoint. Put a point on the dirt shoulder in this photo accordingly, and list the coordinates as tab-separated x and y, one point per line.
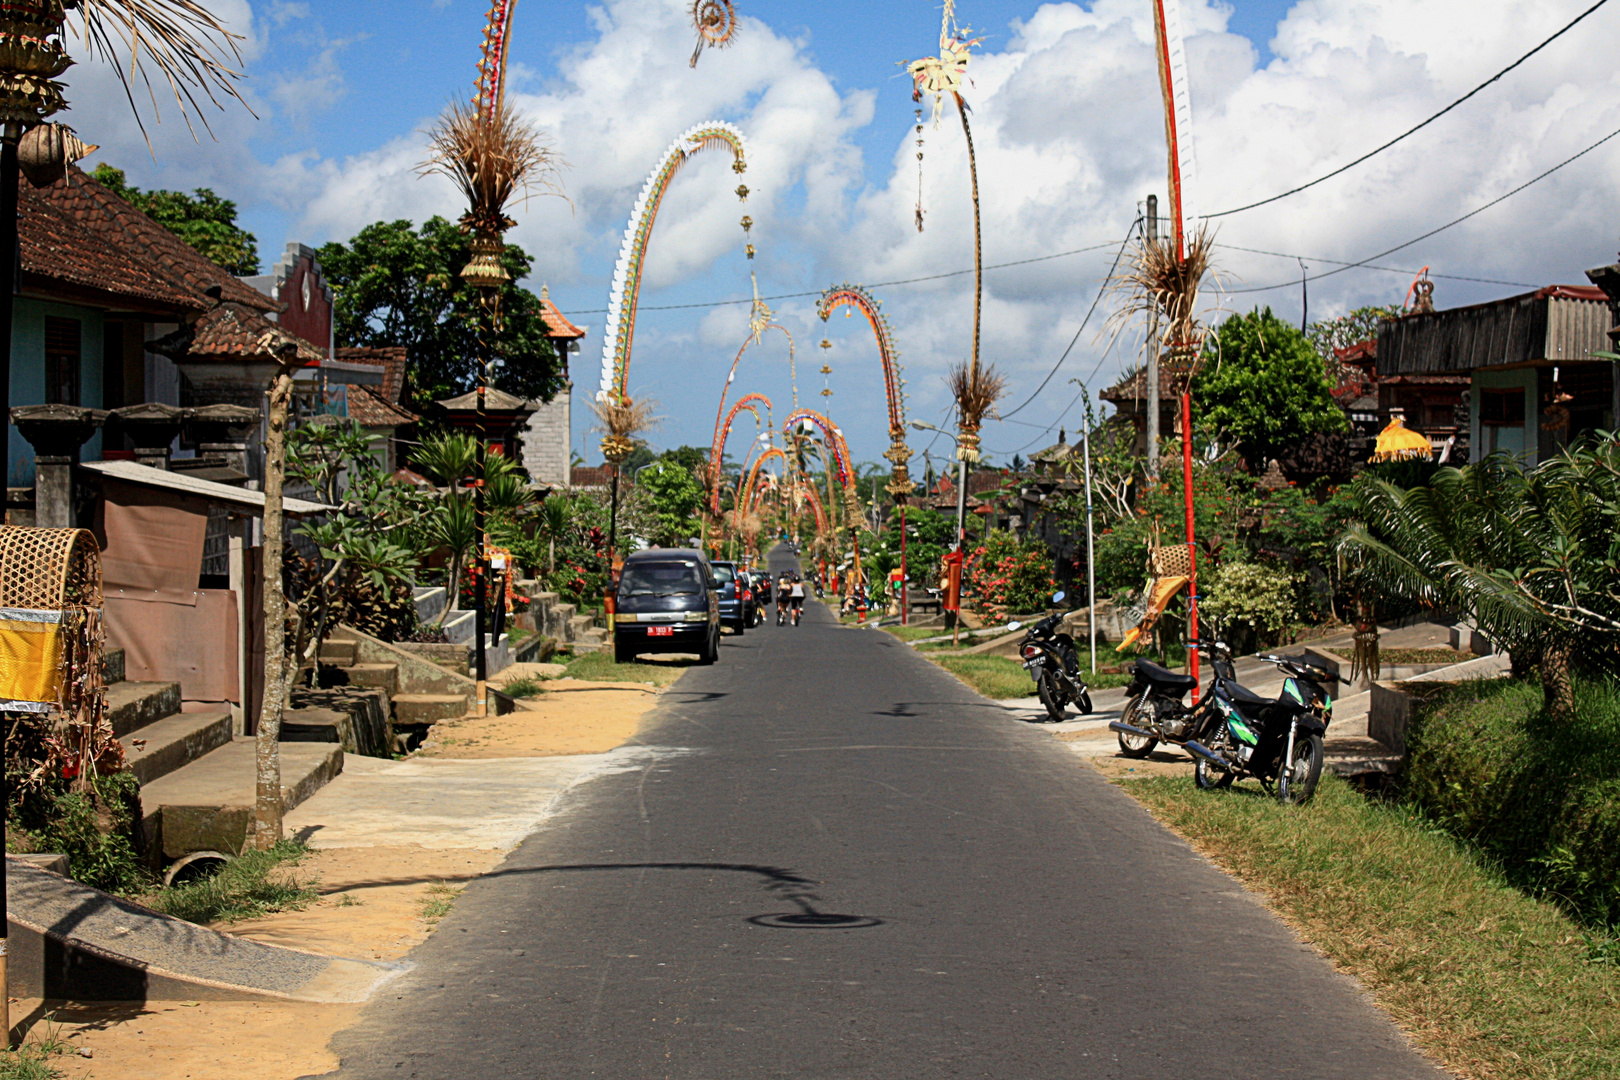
375	902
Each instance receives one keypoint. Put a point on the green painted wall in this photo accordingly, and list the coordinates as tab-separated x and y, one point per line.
1519	441
28	375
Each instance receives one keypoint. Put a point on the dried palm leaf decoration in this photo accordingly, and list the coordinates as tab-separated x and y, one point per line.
1155	280
620	420
716	24
976	390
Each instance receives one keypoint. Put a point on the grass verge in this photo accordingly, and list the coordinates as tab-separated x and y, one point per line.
1490	982
253	884
437	902
32	1060
996	677
601	667
523	687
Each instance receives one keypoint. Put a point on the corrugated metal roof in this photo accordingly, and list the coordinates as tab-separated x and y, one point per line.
1557	323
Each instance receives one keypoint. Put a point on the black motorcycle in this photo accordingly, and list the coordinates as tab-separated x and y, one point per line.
1053	663
1234	732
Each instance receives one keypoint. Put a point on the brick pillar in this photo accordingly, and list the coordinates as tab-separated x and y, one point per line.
57	433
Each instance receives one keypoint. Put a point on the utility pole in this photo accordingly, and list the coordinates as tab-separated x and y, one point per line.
1153	354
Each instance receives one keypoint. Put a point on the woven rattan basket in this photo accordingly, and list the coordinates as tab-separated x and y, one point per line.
1174	560
49	569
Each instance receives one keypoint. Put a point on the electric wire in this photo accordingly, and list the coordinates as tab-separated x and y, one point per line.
1432	232
1419	127
873	285
1130	232
1390	269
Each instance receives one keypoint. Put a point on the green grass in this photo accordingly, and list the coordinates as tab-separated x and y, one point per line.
601	667
32	1060
522	687
437	903
996	677
253	884
1422	656
1487	980
913	633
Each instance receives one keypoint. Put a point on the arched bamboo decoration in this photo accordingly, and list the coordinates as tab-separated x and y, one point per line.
722	432
856	296
752	339
618	336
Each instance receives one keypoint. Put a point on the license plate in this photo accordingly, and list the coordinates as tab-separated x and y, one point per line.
660	631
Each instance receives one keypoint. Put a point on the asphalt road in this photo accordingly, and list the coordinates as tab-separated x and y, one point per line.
847	865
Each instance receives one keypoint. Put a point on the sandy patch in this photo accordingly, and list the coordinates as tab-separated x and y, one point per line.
571	717
372	899
171	1040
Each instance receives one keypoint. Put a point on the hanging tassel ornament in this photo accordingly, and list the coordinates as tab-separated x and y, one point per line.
919	170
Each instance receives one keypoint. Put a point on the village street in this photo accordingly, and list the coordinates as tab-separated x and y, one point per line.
844	863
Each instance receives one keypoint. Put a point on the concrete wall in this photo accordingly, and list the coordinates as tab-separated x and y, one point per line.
545	442
28	374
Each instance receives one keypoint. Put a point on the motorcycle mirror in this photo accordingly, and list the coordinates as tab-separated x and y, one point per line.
1015	625
1058	597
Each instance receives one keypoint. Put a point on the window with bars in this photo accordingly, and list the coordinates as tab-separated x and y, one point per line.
62	343
1501	408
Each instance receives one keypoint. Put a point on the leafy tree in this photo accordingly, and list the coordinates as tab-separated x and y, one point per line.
397	285
202	219
1010	575
690	458
674	495
1264	387
1330	335
1532	557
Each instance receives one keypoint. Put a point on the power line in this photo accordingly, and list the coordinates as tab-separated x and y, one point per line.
1390	269
1431	232
1412	130
1089	312
874	285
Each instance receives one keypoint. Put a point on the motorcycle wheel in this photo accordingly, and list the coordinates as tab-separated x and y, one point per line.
1134	746
1084	703
1297	781
1207	777
1051	697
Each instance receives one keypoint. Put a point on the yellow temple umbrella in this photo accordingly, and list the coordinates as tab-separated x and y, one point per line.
1397	442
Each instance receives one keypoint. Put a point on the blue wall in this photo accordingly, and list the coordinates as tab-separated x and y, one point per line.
28	375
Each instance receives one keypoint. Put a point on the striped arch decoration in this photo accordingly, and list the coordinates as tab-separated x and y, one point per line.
731	376
834	438
490	97
1172	63
856	296
809	491
618	334
722	432
746	493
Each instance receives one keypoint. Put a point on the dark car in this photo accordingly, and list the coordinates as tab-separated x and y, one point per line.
737	604
668	601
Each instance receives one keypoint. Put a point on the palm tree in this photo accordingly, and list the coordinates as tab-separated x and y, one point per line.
455	528
1533	557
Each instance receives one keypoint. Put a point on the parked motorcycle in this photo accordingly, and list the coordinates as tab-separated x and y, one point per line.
1053	663
1235	732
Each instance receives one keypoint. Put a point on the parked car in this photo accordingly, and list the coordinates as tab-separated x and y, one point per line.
668	602
737	605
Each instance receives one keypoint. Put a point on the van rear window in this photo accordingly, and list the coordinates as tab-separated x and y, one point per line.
661	579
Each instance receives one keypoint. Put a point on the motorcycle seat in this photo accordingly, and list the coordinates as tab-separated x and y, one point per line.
1242	695
1163	676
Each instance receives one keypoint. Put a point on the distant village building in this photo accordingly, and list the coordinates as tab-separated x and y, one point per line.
547	451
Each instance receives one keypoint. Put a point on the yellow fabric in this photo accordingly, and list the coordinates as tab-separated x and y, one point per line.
1163	590
1396	442
30	661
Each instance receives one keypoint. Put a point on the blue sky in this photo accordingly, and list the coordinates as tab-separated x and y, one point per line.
1069	140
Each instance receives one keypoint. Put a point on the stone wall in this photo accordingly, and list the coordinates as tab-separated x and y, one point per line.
546	442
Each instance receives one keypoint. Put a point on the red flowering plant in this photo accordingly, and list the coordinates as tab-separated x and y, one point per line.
1008	575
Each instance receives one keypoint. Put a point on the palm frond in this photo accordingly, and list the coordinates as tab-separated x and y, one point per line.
191	49
621	418
1155	280
491	158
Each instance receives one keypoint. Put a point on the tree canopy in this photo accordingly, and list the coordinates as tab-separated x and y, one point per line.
202	219
399	285
675	495
1264	387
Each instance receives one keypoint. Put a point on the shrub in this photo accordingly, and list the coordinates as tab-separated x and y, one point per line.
1011	575
94	828
1255	595
1542	798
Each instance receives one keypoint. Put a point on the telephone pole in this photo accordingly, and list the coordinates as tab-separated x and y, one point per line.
1153	354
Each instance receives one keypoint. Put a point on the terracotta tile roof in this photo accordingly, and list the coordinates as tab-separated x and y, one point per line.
391	358
557	324
123	226
597	476
234	331
370	409
58	249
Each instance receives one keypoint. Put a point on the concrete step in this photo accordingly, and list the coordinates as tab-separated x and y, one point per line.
208	804
559	621
174	742
460	625
341	653
112	666
417	709
132	705
384	677
429	601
